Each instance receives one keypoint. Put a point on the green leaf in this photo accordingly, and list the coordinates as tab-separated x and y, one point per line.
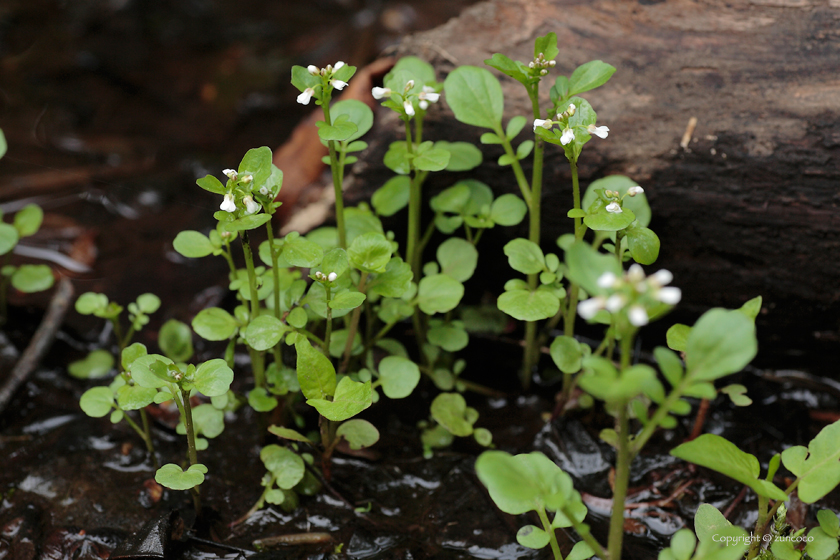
829	523
567	354
637	204
508	210
131	353
546	46
531	536
247	223
98	363
527	305
435	159
286	465
821	546
142	373
287	433
351	397
399	376
370	252
358	433
256	162
643	244
589	76
347	300
315	372
395	281
490	138
97	402
720	343
173	477
397	159
450	411
8	238
458	258
91	303
134	397
483	437
422	72
439	293
716	453
340	130
214	324
30	278
299	251
193	244
515	126
358	113
581	551
3	145
737	394
261	401
391	197
677	337
147	303
818	466
524	149
28	220
463	156
669	364
525	256
751	308
264	332
175	340
213	378
475	97
609	221
586	265
708	522
682	544
448	337
210	183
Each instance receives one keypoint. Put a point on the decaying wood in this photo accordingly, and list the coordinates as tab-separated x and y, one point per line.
749	206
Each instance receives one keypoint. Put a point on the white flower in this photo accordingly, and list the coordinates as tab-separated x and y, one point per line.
607	280
338	65
588	308
572	108
637	315
332	276
545	123
305	96
599	131
247	179
228	205
423	104
319	275
251	207
409	84
662	277
409	108
338	84
314	70
231	173
633	191
567	137
669	295
615	302
614	208
636	273
264	191
429	94
380	92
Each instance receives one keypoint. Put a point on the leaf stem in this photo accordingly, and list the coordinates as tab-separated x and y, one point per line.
552	537
354	325
337	175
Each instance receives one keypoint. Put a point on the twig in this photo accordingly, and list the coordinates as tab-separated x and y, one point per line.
40	342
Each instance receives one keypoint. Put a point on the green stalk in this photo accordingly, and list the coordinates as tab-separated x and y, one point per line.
328	334
623	458
552	537
275	273
760	525
257	358
580	230
186	411
582	529
354	325
335	168
414	208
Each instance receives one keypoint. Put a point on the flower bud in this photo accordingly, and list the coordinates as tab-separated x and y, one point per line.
332	276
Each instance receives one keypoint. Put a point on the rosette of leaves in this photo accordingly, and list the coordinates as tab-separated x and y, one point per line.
519	300
27	278
528	482
452	418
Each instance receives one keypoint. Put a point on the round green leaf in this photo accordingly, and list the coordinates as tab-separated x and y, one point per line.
8	238
483	437
141	370
193	244
463	156
720	343
567	354
259	400
175	340
213	378
300	251
90	303
214	324
526	305
475	96
531	536
450	411
448	337
525	256
391	197
609	221
208	420
458	258
399	376
508	210
370	252
439	293
148	303
264	332
351	397
30	278
286	465
131	353
315	372
637	204
97	402
358	113
358	433
28	220
172	476
135	397
98	363
347	300
643	244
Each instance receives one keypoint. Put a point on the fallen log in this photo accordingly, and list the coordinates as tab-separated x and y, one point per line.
747	205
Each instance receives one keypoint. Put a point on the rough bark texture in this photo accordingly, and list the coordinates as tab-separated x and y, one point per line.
751	206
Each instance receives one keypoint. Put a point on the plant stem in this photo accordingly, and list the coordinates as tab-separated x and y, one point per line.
328	333
257	358
191	449
760	527
573	291
414	209
275	272
337	176
585	533
623	458
354	325
552	538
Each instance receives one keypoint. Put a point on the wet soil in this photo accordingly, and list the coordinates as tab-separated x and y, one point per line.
112	109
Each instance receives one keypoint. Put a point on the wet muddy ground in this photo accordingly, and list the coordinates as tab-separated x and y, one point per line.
111	110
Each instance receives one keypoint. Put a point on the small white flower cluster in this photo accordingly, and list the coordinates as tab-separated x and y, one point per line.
632	293
321	277
306	95
541	64
568	132
229	203
614	207
427	95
